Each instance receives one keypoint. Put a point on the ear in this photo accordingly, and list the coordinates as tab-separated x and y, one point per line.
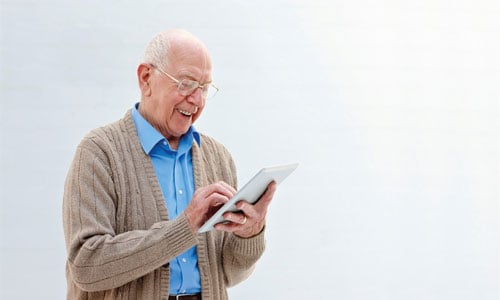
144	77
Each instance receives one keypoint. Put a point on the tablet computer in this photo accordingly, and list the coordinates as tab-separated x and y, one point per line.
251	191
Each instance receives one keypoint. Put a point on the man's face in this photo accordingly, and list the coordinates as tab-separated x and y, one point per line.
166	109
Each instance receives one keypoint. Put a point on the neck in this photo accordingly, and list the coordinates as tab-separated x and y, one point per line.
173	143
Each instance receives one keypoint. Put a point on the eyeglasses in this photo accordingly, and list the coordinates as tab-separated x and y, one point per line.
187	87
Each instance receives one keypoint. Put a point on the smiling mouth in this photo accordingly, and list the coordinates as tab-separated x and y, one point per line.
185	113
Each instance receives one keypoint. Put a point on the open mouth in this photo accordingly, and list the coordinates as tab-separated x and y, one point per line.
185	113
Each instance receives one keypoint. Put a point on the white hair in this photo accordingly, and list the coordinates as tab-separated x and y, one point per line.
156	52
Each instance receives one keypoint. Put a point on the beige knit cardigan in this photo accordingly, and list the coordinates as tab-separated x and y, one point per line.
119	239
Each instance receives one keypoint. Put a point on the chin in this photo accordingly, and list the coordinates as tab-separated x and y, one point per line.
182	131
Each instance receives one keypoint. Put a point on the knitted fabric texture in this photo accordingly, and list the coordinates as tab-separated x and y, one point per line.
118	236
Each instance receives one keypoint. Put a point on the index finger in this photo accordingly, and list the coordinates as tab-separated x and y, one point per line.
223	188
228	186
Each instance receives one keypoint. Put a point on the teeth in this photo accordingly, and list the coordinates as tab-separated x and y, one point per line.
186	113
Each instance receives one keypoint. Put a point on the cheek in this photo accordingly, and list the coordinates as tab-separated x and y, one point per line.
162	114
166	106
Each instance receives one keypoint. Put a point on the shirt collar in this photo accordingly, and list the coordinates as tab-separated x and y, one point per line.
149	136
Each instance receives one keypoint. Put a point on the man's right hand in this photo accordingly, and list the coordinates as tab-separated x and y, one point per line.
206	201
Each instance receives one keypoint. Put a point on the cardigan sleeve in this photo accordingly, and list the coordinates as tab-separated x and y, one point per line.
99	258
240	256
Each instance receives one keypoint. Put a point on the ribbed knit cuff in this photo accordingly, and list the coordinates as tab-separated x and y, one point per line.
253	246
184	236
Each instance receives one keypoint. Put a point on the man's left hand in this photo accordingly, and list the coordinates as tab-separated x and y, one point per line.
250	220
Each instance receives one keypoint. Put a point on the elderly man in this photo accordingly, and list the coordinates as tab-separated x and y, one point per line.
139	189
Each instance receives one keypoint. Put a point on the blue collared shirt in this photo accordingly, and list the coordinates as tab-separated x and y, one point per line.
174	170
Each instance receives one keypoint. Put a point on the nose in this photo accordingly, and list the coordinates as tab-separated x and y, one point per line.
196	97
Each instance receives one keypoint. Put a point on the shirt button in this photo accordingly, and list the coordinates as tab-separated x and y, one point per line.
184	260
165	143
180	192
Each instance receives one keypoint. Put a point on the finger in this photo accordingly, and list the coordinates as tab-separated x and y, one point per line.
228	227
265	199
237	218
228	186
248	209
220	188
231	226
216	199
262	204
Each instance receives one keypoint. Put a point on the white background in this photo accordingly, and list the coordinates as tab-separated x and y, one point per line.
390	107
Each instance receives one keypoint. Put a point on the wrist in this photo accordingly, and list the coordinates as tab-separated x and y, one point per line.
250	234
191	222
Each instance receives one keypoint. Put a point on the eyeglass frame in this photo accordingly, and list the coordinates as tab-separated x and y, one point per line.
200	86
